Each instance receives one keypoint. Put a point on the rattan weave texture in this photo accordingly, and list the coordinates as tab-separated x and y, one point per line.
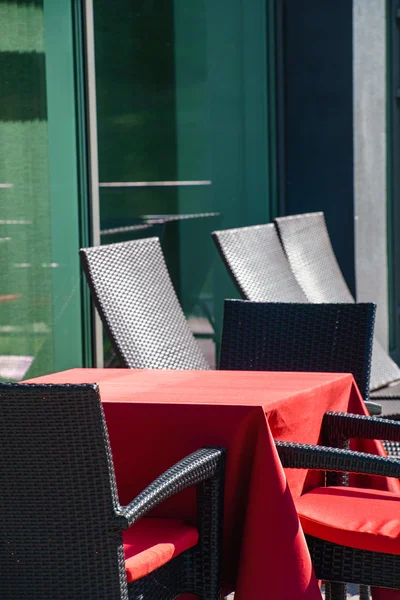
332	562
299	337
306	241
55	460
338	428
259	267
257	264
61	519
135	298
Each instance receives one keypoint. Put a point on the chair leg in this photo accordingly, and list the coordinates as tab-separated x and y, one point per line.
364	592
335	590
210	495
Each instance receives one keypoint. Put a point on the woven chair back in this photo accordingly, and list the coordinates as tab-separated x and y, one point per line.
307	244
59	536
257	264
335	338
135	298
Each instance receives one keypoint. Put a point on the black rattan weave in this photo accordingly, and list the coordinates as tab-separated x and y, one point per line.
133	293
303	337
299	337
332	562
308	248
61	520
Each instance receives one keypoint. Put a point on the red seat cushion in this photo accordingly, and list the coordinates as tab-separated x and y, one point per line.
358	518
150	543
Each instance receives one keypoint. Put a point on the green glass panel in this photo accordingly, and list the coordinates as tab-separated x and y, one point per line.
183	129
26	309
37	283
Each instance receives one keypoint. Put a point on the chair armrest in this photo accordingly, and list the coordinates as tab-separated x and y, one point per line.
202	465
305	456
374	408
340	427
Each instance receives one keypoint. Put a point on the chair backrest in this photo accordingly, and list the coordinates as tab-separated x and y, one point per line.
135	298
306	241
59	535
335	338
307	245
257	264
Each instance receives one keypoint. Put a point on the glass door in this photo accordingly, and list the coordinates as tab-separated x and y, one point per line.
183	135
40	312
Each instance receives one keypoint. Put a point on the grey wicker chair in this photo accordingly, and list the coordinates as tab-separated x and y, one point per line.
257	264
259	268
133	293
62	524
320	337
306	242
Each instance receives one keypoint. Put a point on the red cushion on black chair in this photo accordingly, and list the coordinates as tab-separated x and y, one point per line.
358	518
150	543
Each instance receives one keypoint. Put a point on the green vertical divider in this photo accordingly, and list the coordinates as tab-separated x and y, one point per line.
62	139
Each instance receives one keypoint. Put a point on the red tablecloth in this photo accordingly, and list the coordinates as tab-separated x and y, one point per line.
156	417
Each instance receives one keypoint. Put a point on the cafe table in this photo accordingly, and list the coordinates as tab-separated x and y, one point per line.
155	417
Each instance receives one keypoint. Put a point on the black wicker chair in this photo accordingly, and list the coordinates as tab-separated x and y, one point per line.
306	242
331	338
335	563
61	527
135	298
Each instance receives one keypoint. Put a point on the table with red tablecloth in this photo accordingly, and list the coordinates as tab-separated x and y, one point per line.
156	417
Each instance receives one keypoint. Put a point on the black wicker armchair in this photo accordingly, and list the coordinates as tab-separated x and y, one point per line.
306	242
62	523
332	338
353	534
133	293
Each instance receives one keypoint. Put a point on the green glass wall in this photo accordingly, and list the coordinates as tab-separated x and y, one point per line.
40	327
184	129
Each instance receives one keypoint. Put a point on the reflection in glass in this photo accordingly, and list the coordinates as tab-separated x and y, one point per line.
152	110
26	308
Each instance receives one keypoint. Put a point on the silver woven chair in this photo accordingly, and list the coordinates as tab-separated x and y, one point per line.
133	293
260	270
306	242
